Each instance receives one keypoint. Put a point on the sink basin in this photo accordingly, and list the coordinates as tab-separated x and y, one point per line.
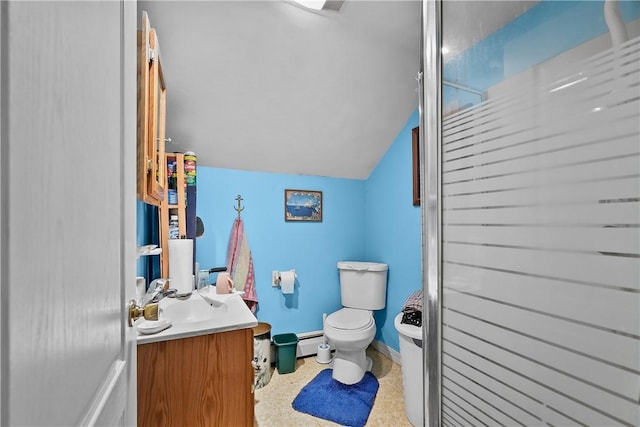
194	309
204	312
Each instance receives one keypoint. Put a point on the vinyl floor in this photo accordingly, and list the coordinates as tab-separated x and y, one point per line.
273	401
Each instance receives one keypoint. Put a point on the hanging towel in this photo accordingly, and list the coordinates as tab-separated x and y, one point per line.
240	264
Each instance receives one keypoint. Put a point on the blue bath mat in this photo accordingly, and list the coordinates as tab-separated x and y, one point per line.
331	400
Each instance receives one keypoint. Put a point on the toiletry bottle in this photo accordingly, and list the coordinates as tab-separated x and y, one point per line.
173	227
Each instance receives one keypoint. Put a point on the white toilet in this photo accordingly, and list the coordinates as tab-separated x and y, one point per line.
350	330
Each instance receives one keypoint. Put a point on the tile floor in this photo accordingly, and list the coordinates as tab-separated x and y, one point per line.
273	401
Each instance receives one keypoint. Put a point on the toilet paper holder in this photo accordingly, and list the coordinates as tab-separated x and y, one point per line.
276	277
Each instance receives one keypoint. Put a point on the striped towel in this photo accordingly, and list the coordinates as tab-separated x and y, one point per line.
412	309
240	264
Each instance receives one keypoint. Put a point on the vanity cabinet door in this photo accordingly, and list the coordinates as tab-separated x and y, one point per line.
152	92
197	381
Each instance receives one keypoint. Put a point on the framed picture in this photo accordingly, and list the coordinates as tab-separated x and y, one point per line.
302	205
415	137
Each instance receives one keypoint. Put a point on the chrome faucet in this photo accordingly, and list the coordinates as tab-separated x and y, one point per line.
158	289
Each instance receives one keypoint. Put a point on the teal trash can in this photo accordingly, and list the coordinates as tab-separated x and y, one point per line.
286	345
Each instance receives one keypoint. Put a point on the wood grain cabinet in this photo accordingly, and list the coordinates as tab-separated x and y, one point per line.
198	381
152	95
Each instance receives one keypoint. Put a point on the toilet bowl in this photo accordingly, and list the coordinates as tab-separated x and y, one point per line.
350	331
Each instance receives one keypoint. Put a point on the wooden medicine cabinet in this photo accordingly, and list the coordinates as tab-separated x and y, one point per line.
152	94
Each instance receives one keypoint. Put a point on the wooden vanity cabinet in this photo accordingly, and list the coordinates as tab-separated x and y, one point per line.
152	95
198	381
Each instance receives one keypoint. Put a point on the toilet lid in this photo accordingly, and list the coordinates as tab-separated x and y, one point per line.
350	319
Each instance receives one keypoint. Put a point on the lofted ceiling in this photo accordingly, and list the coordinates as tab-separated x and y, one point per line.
270	86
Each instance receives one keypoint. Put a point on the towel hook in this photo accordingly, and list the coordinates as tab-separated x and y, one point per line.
239	208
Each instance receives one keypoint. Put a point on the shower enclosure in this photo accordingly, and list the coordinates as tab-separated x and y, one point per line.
531	220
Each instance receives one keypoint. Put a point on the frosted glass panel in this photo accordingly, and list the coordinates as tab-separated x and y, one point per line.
541	218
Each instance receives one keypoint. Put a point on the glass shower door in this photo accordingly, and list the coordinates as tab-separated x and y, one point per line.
539	204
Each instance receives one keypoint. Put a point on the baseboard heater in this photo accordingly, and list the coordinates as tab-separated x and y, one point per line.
308	343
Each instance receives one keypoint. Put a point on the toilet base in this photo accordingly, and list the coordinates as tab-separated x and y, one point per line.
349	366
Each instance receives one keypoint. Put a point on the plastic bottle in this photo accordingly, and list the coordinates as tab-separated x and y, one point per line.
174	231
172	191
190	160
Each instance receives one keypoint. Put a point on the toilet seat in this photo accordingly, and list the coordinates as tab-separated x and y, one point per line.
350	319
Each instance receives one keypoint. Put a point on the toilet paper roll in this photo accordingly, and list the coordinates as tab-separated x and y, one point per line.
181	265
287	279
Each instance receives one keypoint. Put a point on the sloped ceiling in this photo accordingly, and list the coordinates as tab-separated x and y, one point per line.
270	86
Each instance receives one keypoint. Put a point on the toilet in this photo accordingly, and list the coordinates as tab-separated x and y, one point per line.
350	330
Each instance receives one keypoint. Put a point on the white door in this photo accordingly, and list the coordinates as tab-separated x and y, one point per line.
67	212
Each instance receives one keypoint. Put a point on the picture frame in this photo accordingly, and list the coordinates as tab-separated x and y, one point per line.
415	143
302	205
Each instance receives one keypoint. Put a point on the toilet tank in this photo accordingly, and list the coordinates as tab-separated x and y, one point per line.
363	285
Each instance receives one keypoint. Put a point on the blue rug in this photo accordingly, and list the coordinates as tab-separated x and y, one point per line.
331	400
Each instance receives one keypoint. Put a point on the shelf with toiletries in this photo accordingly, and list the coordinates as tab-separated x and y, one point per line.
173	207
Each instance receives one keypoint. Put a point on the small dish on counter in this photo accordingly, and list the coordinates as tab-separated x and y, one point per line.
153	326
210	291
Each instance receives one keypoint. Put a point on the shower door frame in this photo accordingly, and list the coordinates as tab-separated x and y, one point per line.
430	108
623	393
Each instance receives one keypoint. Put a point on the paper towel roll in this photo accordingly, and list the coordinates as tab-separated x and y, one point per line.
181	265
287	279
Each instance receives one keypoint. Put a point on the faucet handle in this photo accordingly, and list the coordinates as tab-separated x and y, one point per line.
162	283
165	285
155	287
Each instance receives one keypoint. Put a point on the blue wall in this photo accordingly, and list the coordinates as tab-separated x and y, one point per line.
311	248
392	228
142	237
372	220
147	234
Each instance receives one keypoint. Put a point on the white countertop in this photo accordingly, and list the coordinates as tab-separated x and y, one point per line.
230	313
